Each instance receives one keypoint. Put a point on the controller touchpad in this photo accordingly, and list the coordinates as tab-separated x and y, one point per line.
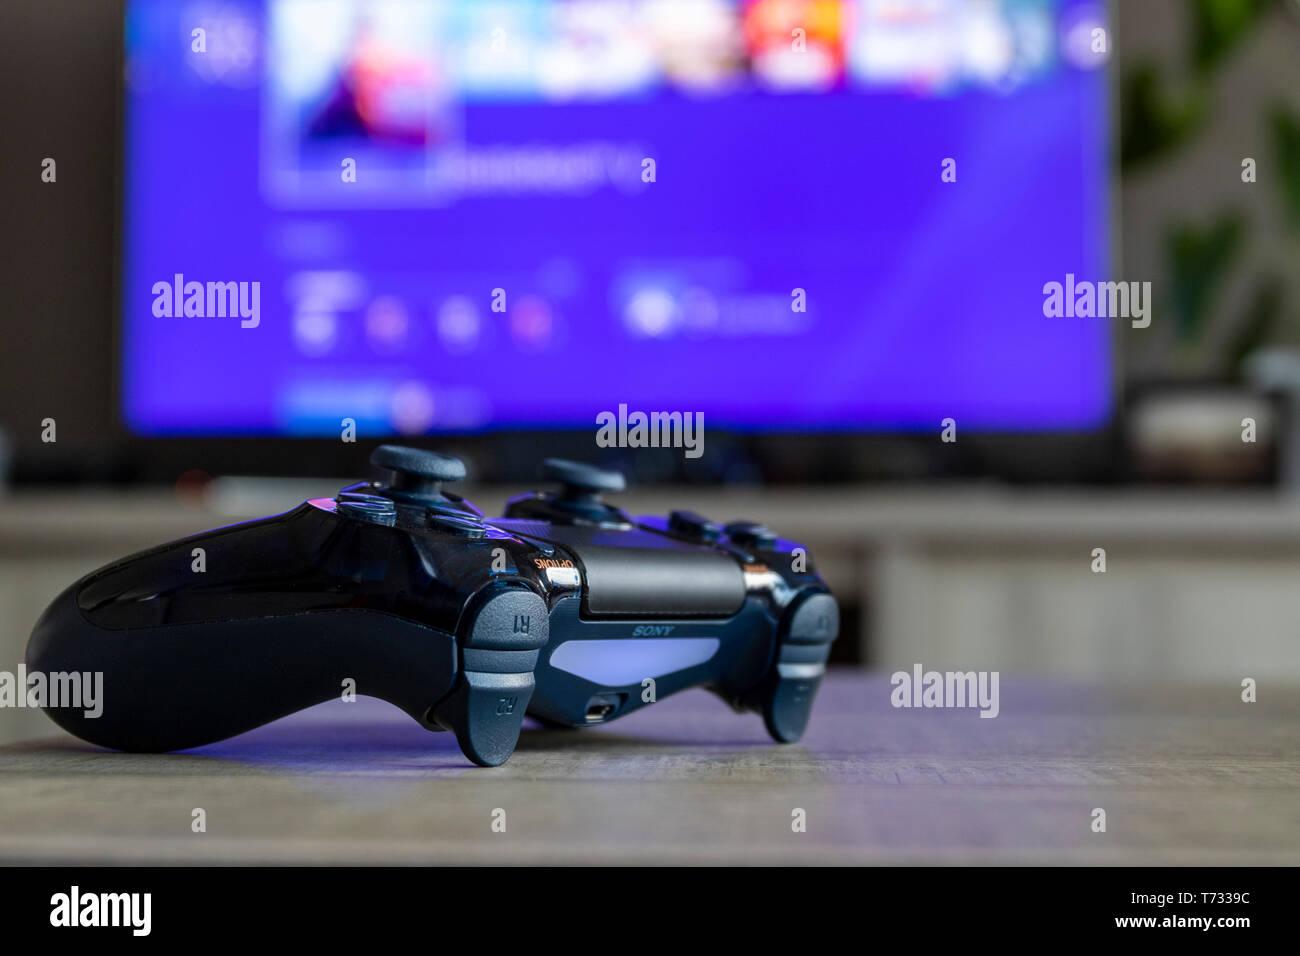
660	581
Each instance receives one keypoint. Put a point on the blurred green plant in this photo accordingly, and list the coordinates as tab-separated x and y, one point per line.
1153	119
1199	262
1219	25
1158	116
1286	146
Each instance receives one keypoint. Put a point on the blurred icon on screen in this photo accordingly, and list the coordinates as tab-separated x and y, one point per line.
315	331
532	324
355	83
698	43
387	323
1085	41
494	47
227	50
412	408
942	45
598	50
796	44
458	324
651	312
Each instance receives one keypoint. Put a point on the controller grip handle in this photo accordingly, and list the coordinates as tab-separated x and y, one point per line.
172	687
785	694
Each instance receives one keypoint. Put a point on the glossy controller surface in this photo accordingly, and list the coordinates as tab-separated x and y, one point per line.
566	608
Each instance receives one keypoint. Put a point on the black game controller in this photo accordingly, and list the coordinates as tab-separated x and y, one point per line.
566	608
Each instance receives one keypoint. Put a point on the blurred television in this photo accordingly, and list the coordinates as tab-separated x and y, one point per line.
472	217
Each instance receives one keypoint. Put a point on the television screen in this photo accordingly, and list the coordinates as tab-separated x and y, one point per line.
465	216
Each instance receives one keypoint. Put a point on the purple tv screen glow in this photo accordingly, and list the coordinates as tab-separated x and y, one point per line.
924	299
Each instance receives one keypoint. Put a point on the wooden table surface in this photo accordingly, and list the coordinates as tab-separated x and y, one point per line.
1185	777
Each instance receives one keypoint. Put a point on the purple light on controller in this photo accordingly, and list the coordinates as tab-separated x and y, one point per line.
619	662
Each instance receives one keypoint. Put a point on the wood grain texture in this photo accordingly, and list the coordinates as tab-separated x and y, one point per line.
1185	777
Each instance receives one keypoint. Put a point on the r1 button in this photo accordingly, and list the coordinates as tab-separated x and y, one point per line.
815	621
512	619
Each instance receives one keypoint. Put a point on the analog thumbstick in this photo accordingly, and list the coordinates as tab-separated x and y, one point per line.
417	472
581	482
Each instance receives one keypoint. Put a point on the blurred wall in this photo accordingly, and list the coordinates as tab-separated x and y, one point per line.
58	73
